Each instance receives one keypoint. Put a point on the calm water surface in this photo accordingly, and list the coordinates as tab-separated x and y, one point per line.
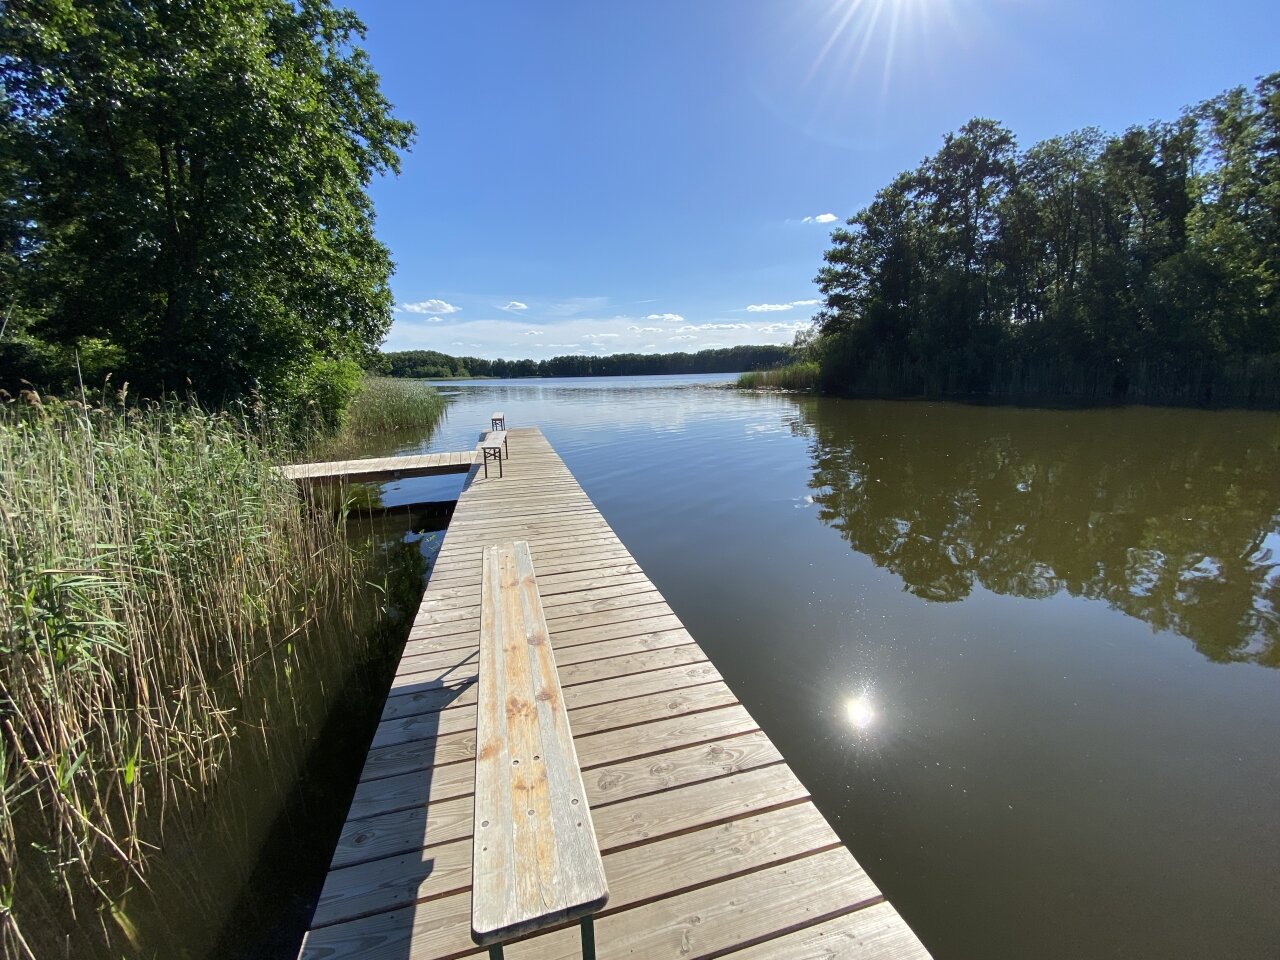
1027	661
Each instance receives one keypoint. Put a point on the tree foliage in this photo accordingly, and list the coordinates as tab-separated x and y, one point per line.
1138	266
186	191
431	364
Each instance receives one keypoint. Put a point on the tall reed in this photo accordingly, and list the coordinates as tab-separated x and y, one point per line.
384	405
794	376
162	589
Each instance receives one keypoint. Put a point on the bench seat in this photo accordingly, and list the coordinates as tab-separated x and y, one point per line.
491	448
535	859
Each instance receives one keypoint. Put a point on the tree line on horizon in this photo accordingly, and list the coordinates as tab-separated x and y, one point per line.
432	365
1143	266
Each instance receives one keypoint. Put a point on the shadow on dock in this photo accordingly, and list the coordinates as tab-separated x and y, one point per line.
414	795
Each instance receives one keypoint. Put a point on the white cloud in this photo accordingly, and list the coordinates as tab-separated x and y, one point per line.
821	218
515	305
687	336
533	333
644	329
599	336
774	307
669	317
721	326
428	306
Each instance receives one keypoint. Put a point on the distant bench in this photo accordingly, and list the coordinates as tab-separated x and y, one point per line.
535	859
491	448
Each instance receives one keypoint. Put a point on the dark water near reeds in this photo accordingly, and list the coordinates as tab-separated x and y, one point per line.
1027	661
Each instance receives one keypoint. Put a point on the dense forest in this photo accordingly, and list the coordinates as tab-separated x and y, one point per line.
1143	266
430	364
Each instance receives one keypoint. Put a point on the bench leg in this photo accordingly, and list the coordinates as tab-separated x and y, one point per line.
588	938
495	952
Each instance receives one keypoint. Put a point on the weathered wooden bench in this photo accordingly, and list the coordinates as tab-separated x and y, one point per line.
498	420
491	448
535	859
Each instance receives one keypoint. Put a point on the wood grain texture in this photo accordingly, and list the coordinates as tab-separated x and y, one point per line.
381	468
534	854
711	846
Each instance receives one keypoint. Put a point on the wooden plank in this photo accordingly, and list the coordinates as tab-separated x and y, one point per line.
536	862
744	835
874	933
426	685
695	923
573	646
727	752
618	822
380	468
585	719
713	919
626	685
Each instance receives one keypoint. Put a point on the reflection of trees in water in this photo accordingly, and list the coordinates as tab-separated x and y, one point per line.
1170	516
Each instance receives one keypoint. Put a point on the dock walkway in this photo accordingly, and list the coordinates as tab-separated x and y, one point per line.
383	468
711	845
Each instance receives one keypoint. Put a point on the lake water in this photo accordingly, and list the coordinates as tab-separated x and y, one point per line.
1026	660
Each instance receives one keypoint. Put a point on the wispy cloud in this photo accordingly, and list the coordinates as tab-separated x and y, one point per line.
669	317
686	336
644	329
721	326
821	218
533	333
805	303
515	305
575	306
428	306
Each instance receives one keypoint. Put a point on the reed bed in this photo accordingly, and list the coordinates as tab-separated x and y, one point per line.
794	376
162	590
384	406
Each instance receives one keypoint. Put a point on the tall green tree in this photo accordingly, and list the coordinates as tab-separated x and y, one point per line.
1139	266
188	178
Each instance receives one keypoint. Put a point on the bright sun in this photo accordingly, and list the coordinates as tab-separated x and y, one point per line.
857	32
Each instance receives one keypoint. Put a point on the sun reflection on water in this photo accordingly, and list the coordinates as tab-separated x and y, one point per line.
860	712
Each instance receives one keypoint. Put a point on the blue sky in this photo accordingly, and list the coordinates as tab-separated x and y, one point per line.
599	177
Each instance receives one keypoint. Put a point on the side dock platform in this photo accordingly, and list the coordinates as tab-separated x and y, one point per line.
711	845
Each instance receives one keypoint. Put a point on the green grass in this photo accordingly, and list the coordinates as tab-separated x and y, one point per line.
794	376
162	592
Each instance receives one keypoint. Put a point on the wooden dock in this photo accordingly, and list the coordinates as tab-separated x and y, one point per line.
377	469
711	845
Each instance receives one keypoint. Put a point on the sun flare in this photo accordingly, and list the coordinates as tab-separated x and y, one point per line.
860	712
